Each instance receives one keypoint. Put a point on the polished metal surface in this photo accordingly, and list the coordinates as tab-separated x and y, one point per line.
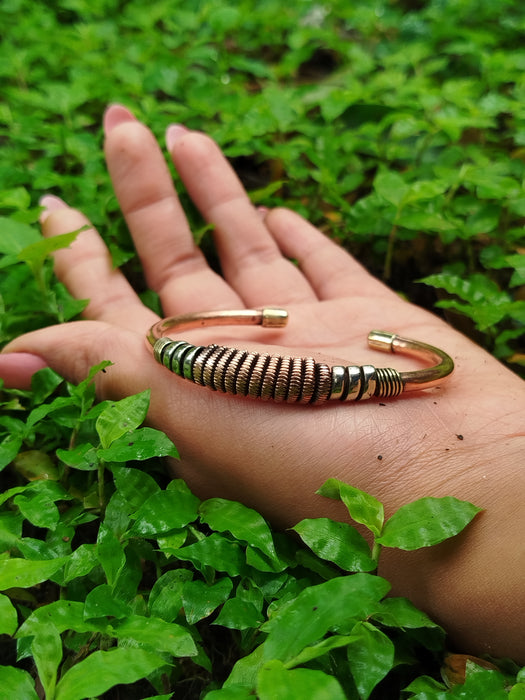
282	378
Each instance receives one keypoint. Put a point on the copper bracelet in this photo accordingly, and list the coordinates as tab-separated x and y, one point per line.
288	379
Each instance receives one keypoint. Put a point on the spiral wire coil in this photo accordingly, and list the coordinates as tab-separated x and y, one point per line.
282	378
278	377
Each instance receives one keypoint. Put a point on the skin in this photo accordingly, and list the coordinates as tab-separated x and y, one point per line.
273	457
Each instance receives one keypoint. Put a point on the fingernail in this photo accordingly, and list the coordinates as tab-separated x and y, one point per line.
116	114
262	211
17	368
50	203
173	133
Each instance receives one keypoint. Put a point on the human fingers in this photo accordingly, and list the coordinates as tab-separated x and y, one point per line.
250	259
71	349
330	270
87	270
173	264
17	369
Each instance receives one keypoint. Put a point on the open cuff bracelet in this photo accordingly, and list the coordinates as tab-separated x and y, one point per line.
288	379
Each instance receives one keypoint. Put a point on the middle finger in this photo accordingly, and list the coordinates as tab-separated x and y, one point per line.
250	258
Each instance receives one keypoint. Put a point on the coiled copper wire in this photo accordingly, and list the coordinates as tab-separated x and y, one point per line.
287	379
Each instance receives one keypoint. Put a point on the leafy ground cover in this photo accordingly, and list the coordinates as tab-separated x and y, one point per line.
399	128
119	575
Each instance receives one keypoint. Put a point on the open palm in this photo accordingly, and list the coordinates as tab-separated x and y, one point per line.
464	439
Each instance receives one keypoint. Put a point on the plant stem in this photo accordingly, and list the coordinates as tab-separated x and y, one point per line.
376	551
387	271
100	471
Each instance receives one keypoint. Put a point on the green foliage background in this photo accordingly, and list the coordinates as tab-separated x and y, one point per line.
396	126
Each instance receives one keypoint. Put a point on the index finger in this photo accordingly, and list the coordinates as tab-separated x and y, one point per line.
87	270
173	264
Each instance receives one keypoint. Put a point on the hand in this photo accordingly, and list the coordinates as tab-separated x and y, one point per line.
272	456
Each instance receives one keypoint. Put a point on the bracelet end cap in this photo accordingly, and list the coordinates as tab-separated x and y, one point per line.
381	340
274	318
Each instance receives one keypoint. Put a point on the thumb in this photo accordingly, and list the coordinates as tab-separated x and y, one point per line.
72	349
17	369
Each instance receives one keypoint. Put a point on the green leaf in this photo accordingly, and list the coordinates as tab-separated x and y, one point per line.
244	524
8	616
102	602
427	688
215	551
6	495
43	384
15	236
363	507
165	599
17	683
110	554
47	654
260	196
156	633
493	257
484	316
234	692
320	649
261	562
35	253
17	198
239	614
391	186
84	392
275	682
481	684
400	612
134	485
200	599
370	656
9	449
164	511
38	508
245	671
64	614
337	542
35	465
517	692
81	562
83	457
23	573
65	405
420	220
101	670
426	522
116	517
425	189
173	540
474	289
143	443
122	417
486	303
490	185
336	603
